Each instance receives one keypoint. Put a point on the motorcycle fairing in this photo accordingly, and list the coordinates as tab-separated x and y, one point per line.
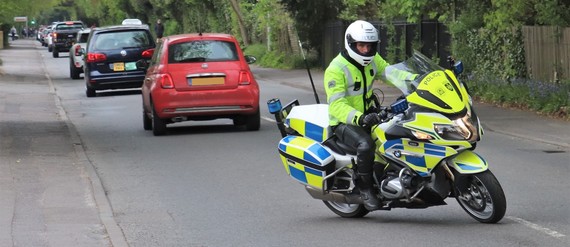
437	91
424	122
311	121
306	160
469	162
422	157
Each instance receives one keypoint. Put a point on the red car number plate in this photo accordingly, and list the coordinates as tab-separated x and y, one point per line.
206	81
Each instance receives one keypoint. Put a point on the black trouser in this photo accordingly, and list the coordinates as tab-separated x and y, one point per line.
360	139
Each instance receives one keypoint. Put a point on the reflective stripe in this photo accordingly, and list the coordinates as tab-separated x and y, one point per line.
335	97
350	117
389	73
349	78
374	68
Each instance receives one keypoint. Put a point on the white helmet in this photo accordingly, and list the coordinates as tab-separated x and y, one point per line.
361	31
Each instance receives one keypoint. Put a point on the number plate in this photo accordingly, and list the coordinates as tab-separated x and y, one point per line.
206	81
131	66
119	67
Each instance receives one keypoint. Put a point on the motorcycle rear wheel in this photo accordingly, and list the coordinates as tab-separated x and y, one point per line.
347	210
484	199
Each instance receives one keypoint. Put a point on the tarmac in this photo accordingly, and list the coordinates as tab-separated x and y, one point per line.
50	194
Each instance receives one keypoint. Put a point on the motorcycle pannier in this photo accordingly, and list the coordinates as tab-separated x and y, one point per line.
306	160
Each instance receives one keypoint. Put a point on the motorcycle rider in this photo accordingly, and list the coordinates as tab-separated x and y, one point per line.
348	84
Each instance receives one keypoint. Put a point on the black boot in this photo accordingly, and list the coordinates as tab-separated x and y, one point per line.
367	194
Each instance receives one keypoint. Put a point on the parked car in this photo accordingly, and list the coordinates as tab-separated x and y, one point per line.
63	36
199	77
76	53
111	54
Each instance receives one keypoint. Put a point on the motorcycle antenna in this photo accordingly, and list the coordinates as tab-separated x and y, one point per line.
308	70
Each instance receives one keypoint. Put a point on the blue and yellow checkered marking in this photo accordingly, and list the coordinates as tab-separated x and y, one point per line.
306	175
423	156
302	149
305	149
308	129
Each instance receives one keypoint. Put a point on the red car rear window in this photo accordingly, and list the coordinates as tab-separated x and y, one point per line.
202	51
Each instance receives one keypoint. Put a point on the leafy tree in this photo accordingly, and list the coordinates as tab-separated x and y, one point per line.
310	18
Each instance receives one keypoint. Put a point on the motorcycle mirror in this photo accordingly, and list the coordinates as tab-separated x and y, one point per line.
458	68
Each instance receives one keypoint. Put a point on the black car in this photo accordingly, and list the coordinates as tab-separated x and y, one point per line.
111	54
63	36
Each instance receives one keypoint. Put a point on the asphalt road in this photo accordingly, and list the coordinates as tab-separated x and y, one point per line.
77	171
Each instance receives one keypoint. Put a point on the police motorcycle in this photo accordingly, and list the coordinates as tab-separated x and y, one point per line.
424	148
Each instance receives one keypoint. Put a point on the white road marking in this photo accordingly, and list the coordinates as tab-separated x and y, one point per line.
539	228
268	119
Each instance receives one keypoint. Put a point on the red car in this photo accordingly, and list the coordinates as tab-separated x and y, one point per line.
199	77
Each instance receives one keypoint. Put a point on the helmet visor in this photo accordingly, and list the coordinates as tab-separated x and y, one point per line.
366	49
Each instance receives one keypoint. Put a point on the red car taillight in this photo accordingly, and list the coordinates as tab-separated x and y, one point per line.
147	53
96	57
244	78
77	48
165	81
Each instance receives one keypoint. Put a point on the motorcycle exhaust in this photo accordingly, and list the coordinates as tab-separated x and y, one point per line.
334	196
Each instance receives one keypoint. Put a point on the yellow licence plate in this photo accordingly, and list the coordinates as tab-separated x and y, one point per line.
206	81
119	67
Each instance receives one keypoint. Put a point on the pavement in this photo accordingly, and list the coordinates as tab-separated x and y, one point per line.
50	194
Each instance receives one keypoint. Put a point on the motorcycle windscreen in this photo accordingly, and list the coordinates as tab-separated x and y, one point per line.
437	91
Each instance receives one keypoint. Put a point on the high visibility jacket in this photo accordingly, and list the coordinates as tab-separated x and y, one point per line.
348	87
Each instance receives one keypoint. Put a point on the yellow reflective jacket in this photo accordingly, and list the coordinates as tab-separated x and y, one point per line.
345	85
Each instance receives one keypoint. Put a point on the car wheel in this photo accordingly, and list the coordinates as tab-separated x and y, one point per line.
73	71
50	49
158	125
90	92
253	122
55	52
147	122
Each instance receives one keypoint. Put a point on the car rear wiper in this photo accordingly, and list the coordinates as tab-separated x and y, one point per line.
193	59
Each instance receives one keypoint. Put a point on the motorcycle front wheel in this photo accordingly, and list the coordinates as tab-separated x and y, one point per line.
347	210
483	199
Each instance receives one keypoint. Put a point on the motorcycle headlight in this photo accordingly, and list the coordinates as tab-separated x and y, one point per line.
461	129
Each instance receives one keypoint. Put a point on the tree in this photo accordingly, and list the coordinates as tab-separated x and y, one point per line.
242	28
311	17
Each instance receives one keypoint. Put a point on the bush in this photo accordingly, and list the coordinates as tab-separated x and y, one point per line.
548	98
278	59
257	50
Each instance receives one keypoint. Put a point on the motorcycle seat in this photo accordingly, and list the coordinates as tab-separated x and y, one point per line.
338	147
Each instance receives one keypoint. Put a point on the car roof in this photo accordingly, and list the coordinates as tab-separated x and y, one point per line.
121	27
201	36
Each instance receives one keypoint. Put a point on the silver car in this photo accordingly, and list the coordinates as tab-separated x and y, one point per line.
76	53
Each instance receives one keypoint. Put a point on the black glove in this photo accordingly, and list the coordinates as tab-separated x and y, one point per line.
369	120
383	114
